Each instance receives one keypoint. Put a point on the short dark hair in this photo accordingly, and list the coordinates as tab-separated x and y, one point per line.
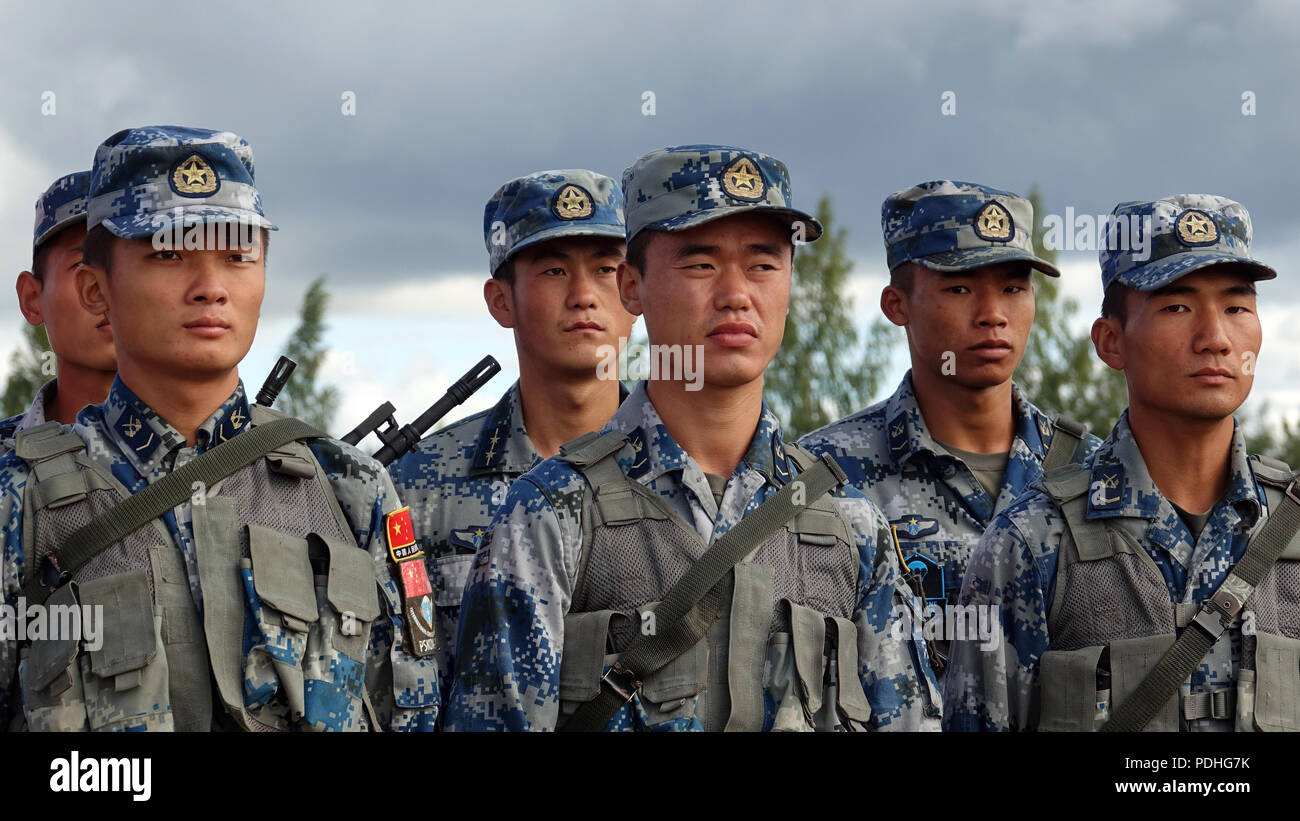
97	247
903	277
1114	303
506	272
39	257
636	249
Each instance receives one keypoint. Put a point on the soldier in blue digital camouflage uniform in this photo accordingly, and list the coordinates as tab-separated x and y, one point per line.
958	440
554	240
246	605
1092	573
589	543
81	343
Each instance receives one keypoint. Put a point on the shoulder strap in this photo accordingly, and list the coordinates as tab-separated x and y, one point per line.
1068	487
693	603
123	519
1214	615
1066	437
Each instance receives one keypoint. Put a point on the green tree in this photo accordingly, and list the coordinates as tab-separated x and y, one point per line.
1060	372
822	371
301	397
29	367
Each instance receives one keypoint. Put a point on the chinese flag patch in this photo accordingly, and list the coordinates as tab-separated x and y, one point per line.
401	535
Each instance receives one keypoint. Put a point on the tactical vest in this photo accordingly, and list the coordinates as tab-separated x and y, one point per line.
784	641
288	598
1111	620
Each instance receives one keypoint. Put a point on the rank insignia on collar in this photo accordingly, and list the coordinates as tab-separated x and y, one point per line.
571	203
743	180
1196	228
1104	492
139	437
1044	427
993	223
193	176
640	461
401	535
912	526
898	434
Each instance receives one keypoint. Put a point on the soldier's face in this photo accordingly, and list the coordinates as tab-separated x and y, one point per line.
188	315
1187	350
970	327
724	286
76	336
564	303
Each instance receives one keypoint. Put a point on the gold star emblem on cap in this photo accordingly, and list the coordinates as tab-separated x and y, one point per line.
993	223
1196	228
194	176
572	203
742	180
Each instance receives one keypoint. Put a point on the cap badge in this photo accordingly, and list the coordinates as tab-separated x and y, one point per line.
193	177
743	180
571	203
993	223
1196	228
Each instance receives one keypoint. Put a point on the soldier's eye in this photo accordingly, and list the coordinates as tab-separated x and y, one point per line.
166	255
959	289
553	272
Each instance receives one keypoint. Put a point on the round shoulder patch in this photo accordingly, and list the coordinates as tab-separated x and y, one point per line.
743	180
572	202
1196	228
993	223
193	176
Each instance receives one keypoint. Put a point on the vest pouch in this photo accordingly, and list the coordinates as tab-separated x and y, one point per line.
586	642
53	696
281	599
1277	683
845	707
1067	688
125	679
334	668
1130	662
672	693
796	670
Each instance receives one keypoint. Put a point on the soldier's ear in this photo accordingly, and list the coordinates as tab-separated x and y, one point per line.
893	304
1107	336
500	298
29	297
92	289
630	282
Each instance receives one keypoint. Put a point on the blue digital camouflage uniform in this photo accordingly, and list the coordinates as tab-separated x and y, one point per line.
932	498
194	176
512	629
1014	568
937	507
455	478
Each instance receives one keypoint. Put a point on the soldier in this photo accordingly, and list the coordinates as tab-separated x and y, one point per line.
1092	573
610	592
554	240
82	343
958	440
230	592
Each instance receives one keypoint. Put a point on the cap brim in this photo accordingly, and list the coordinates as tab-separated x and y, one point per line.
1161	272
697	218
968	258
573	230
56	228
142	226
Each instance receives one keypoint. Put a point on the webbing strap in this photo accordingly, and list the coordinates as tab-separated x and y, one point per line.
125	518
1065	441
1214	616
684	615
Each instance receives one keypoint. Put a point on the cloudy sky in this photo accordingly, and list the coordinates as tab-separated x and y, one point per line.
1095	103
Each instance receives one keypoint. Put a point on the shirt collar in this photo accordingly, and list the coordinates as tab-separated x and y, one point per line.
503	445
655	452
146	439
1121	485
908	434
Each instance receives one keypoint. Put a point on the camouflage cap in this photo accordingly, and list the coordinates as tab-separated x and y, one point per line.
1186	232
547	205
146	179
954	226
672	189
62	204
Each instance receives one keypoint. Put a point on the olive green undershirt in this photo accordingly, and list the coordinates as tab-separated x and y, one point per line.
989	468
1195	521
717	484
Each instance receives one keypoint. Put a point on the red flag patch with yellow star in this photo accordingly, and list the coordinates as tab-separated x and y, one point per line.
401	535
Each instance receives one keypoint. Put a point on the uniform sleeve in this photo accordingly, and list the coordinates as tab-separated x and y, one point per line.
895	671
991	682
12	561
511	633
